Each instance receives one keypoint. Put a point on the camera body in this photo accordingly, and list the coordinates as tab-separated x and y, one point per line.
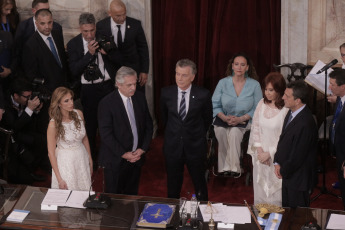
92	72
106	43
39	90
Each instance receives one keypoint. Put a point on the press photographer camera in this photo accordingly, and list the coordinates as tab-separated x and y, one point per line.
92	71
106	43
38	90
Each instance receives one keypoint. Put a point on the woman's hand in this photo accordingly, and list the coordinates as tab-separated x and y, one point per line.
263	157
234	120
62	184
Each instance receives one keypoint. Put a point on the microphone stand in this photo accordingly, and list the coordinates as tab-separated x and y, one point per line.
323	189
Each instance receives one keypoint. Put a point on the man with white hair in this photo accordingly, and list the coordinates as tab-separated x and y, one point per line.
126	128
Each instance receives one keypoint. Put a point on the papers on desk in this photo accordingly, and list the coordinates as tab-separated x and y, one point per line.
336	221
64	198
17	215
226	214
317	81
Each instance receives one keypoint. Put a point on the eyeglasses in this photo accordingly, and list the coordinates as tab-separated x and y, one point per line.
27	97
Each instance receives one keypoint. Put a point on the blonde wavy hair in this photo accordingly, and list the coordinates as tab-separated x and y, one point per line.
55	113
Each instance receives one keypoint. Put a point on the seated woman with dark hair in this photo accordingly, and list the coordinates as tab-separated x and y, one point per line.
265	132
234	102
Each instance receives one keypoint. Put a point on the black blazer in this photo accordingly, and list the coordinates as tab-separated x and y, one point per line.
340	137
39	62
24	31
23	126
134	50
115	129
297	149
78	60
188	135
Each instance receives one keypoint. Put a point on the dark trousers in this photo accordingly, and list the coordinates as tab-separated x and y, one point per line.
91	94
196	169
341	180
124	179
294	198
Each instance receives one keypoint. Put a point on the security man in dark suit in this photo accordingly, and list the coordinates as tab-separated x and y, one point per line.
337	134
27	28
295	158
186	111
129	37
126	128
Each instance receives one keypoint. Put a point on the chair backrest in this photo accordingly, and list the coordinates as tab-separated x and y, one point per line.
294	67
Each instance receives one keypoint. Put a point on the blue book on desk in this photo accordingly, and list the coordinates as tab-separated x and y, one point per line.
156	215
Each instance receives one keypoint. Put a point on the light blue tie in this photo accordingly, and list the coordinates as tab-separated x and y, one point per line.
133	123
54	52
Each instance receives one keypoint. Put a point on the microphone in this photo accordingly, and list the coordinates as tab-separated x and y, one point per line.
329	65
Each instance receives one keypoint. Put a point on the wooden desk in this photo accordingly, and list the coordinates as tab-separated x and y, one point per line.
122	214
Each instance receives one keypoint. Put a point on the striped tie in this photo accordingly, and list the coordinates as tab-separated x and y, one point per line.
182	112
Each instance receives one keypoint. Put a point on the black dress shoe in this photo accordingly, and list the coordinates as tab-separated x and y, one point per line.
235	174
37	177
227	173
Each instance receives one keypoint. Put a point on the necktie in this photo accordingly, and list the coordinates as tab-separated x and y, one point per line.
335	117
133	123
289	120
54	52
119	36
182	111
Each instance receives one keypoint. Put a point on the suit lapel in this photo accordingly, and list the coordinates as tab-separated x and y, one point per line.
45	48
192	97
122	109
341	115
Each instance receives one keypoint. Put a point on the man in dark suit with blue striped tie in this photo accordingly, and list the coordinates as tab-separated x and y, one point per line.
337	134
186	111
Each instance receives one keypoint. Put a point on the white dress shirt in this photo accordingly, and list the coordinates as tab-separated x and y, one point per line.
186	96
115	29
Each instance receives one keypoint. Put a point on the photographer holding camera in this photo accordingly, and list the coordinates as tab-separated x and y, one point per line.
27	148
94	63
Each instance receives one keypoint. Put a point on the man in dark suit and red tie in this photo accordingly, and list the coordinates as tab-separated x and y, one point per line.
295	158
337	134
126	128
186	111
130	39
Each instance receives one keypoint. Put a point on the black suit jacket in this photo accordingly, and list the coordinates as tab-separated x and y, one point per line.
115	129
189	135
39	62
296	151
340	136
23	125
134	50
78	61
24	31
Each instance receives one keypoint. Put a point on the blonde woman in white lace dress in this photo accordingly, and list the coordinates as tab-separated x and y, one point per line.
68	145
265	131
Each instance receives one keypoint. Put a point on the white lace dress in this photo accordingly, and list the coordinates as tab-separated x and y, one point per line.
72	158
265	132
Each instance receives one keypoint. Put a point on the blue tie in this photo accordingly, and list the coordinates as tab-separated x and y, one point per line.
54	52
289	120
182	112
133	123
335	117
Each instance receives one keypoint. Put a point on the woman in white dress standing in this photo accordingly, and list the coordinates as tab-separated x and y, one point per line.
68	145
265	132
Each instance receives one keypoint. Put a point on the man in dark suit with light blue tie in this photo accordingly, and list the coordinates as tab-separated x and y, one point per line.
337	86
44	53
186	111
295	158
27	28
126	128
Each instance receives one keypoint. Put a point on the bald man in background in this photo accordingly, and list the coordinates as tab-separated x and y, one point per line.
130	39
